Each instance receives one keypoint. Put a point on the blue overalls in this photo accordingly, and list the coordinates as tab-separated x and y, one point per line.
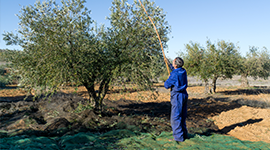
179	96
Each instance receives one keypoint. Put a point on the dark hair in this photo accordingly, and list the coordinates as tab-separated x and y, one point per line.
179	62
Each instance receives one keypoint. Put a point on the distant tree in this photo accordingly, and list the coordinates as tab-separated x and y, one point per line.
196	63
61	45
255	64
222	59
2	54
214	61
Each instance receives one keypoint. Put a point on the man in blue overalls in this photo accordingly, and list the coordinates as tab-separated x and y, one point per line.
177	81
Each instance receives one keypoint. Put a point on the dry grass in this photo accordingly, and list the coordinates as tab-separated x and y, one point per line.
128	94
254	99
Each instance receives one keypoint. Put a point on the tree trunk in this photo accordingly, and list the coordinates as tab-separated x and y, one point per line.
103	89
96	97
206	86
91	91
244	80
214	85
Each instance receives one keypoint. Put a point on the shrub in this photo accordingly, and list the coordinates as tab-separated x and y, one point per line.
2	71
4	80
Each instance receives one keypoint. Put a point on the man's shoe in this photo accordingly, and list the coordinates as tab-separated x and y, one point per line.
175	141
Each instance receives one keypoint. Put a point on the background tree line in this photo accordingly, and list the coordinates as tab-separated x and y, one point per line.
5	77
223	60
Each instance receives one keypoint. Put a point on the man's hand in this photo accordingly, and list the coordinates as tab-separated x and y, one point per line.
167	61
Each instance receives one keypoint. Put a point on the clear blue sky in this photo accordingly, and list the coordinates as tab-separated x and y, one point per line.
243	22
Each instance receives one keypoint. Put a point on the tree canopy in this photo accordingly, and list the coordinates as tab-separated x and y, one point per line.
214	61
196	62
223	59
61	45
255	64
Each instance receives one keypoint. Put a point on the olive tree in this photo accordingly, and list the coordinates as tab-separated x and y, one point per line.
196	62
255	64
223	59
215	61
58	44
132	41
2	55
62	45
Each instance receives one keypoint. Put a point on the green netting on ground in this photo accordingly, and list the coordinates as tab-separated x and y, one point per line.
196	142
32	143
107	140
126	139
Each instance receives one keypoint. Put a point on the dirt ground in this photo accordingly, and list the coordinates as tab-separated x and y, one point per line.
233	111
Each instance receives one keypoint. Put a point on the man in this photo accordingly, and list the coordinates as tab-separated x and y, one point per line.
177	81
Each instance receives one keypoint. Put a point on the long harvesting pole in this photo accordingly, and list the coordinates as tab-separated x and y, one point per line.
157	35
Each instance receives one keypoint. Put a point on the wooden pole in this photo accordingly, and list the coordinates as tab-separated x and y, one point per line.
158	37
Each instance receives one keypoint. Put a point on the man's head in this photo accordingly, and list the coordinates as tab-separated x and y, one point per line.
178	62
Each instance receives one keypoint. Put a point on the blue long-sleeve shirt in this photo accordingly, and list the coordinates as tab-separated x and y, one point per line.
177	80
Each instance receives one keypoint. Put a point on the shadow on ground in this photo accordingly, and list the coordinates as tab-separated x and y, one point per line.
227	129
256	91
199	110
16	99
8	87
